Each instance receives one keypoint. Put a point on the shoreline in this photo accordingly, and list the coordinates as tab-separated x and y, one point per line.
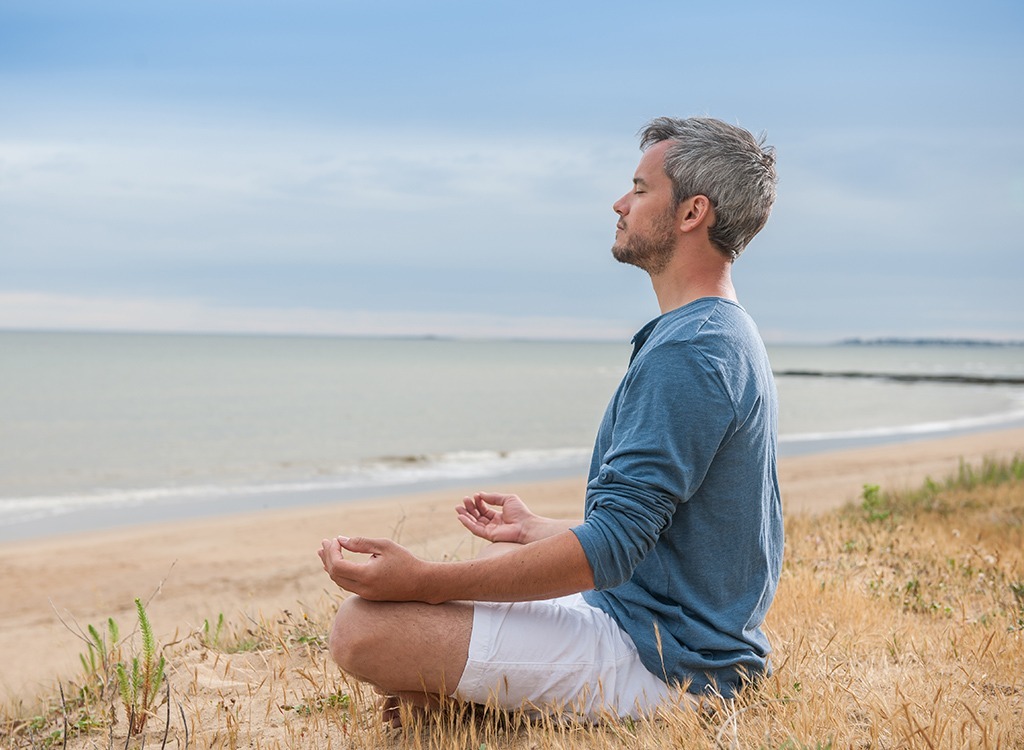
262	562
185	504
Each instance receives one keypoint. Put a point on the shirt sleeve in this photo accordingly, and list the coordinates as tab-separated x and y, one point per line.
669	420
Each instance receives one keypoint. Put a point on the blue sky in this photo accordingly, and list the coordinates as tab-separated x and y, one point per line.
449	167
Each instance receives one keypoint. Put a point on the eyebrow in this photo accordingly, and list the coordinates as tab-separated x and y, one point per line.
639	181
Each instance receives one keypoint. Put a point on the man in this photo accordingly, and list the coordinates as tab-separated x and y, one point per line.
666	581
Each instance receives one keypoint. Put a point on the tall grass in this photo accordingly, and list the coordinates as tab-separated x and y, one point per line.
899	623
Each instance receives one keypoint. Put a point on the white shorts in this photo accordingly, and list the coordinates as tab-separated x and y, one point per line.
558	656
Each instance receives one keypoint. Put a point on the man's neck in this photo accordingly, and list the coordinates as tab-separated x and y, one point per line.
677	285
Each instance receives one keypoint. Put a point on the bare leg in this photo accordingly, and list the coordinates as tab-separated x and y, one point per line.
403	647
411	652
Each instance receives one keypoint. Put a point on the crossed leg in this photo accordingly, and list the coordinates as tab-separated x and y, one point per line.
413	650
410	652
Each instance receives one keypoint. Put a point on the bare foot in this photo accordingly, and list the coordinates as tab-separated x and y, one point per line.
391	709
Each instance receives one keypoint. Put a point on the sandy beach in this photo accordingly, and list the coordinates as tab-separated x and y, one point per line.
262	563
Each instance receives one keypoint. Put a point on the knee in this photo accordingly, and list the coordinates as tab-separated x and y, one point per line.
352	634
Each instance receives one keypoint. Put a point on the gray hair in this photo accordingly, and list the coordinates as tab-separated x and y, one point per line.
725	163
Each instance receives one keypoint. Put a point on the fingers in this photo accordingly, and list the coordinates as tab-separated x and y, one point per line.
332	555
327	548
476	518
490	498
483	509
342	571
475	509
331	550
363	545
472	523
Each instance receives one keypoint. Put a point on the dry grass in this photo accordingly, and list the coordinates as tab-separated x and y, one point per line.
898	623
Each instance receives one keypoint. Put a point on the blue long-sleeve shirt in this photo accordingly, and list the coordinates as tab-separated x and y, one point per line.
683	518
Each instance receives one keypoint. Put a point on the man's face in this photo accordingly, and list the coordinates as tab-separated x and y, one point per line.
645	235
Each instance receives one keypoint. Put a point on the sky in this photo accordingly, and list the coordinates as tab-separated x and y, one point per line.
448	168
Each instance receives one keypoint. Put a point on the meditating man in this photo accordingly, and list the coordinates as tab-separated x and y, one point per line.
665	582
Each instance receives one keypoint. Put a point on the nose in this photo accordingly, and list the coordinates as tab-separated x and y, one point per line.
620	207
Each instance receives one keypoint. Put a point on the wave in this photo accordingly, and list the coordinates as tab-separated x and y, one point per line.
377	474
921	428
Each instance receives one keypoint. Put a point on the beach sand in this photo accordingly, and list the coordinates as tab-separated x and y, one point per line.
262	563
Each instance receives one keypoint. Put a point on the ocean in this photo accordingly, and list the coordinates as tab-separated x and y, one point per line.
101	429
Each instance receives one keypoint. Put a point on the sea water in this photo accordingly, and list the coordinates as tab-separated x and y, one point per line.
99	429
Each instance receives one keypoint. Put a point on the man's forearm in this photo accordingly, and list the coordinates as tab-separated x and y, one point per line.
540	527
551	566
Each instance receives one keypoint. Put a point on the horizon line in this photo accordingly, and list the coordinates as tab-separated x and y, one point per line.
510	337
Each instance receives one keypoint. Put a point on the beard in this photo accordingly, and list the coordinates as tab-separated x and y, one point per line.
649	252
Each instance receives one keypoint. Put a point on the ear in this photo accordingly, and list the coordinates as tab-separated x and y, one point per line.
694	212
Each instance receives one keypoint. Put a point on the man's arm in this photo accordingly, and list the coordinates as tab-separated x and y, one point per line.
550	567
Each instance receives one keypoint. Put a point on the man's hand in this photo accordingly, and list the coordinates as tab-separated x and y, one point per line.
391	573
507	521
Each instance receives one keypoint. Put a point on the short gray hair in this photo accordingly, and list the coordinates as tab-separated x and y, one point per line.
725	163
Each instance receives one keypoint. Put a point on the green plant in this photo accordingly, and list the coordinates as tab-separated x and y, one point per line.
321	703
874	503
100	656
212	639
141	686
991	472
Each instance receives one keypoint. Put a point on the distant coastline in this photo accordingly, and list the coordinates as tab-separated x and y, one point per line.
896	341
510	338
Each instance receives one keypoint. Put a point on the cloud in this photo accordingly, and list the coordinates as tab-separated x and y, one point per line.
214	195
